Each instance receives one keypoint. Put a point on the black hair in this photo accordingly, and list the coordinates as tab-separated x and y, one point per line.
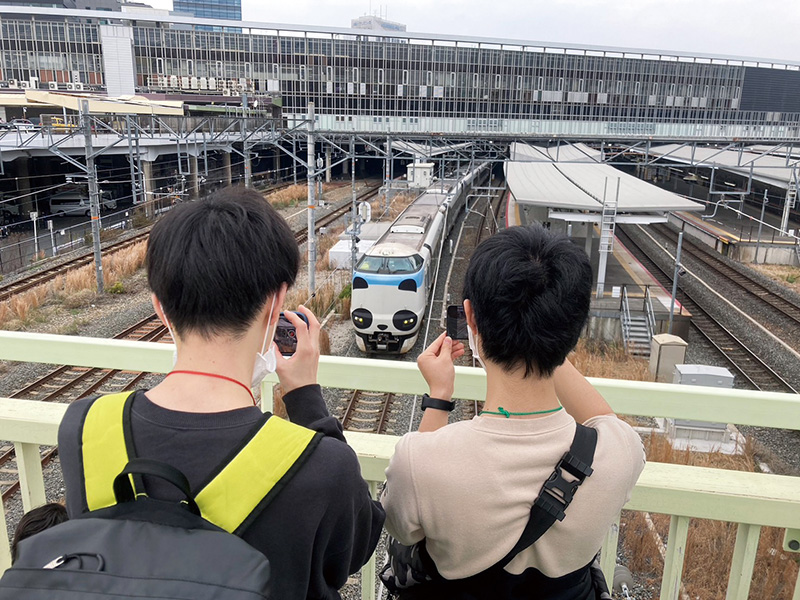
35	521
530	291
213	263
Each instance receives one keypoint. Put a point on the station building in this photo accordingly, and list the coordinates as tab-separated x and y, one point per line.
400	81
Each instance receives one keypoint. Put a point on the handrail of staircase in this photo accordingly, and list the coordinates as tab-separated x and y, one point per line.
651	315
625	317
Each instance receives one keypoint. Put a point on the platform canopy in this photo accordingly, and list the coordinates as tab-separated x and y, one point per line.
764	166
582	185
423	151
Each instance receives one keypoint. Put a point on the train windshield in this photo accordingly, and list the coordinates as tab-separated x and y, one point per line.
390	265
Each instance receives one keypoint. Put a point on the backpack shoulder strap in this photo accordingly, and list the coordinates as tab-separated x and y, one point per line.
106	447
246	483
557	493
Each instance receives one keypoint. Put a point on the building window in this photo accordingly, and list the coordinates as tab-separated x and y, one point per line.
220	69
380	75
190	67
329	73
355	74
452	80
474	80
405	76
160	66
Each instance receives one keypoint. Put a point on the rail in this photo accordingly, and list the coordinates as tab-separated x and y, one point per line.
751	500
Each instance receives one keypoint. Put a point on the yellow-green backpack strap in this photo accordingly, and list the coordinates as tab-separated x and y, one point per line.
250	480
104	448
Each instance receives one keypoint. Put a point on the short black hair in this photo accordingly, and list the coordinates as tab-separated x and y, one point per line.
530	291
35	521
213	263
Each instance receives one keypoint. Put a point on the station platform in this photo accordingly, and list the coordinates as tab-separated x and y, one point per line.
734	233
623	270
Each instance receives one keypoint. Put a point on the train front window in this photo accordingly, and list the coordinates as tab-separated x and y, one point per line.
390	265
404	264
370	264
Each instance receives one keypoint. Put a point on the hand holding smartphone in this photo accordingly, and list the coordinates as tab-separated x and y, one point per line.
456	322
286	334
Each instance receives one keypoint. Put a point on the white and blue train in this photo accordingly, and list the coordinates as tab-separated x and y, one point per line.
393	280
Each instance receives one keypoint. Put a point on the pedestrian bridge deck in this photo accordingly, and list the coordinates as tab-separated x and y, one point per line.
751	500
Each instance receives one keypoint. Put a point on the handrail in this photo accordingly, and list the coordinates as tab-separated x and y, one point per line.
651	315
625	317
752	500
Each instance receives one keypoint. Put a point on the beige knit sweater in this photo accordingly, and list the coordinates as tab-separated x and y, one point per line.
468	488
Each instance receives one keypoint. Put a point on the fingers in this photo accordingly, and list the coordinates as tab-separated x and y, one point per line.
435	346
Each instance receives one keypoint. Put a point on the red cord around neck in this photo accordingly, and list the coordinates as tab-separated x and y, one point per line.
216	376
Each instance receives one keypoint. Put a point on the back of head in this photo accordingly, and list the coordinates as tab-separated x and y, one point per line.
530	291
214	263
35	521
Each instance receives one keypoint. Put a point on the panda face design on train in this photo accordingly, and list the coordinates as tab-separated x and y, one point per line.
388	298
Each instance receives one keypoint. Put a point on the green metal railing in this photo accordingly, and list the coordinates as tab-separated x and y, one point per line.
751	500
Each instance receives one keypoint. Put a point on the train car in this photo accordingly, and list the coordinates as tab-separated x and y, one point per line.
393	280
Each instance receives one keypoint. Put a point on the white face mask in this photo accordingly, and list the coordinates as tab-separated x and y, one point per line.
473	345
265	363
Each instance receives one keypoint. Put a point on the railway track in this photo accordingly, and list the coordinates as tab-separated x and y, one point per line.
772	302
493	207
338	212
752	369
45	275
368	412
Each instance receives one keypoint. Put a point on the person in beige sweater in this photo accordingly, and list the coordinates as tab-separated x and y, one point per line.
467	487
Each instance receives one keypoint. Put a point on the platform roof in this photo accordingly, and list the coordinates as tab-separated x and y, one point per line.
765	167
97	104
583	185
424	150
559	152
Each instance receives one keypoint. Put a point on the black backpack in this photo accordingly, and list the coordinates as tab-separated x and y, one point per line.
133	546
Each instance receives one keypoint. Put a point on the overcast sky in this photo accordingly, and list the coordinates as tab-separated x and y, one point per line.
753	28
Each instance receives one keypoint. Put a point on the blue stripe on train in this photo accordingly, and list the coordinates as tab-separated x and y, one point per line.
393	279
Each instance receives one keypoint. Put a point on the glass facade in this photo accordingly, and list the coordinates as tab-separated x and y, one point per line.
208	9
429	84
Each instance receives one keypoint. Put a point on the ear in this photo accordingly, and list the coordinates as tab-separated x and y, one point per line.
470	314
157	307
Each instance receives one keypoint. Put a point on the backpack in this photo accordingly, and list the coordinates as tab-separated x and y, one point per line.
132	546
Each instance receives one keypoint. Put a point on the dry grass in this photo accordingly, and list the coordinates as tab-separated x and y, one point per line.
397	205
595	358
783	274
710	544
76	288
324	245
292	195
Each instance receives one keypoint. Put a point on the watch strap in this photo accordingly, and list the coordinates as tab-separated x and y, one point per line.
428	402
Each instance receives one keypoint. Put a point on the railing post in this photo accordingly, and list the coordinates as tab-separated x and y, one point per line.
368	570
744	558
673	563
608	553
31	480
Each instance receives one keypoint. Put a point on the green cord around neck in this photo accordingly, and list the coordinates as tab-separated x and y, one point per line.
503	412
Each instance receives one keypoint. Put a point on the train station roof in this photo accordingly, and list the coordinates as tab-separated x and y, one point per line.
426	151
764	166
536	178
130	105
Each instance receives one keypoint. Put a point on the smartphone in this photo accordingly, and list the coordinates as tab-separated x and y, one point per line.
456	322
286	334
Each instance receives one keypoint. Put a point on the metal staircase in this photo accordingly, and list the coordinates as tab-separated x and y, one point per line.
637	330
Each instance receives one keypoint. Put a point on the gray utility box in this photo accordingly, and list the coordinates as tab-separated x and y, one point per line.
710	377
666	351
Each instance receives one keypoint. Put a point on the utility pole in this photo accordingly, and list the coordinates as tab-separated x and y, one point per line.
356	218
312	234
94	194
248	166
675	275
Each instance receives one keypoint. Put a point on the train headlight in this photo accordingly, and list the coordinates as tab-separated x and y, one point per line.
404	320
361	317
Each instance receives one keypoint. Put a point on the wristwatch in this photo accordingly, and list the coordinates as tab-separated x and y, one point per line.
428	402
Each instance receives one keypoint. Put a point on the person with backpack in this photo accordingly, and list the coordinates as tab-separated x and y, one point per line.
514	503
219	270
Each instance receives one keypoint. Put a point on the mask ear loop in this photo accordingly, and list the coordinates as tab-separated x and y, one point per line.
269	319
